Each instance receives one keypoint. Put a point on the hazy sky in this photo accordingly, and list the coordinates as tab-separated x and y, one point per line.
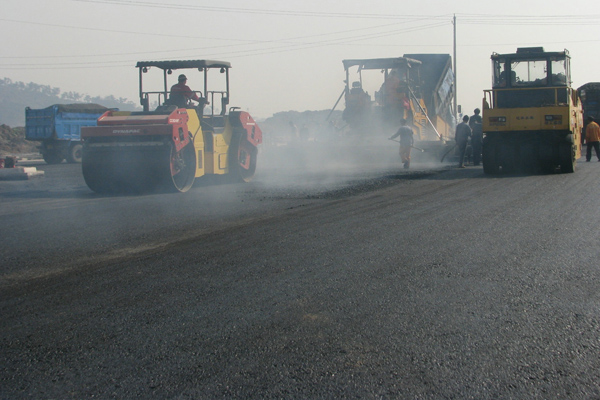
286	55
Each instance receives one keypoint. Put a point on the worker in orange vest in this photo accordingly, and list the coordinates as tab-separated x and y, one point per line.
406	142
592	138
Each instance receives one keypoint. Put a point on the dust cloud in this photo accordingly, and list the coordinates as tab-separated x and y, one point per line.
330	162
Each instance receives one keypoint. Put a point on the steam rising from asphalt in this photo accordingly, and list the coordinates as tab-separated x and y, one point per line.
336	161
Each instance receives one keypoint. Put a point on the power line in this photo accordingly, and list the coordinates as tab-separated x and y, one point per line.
284	45
236	54
332	42
484	19
294	13
521	44
117	31
243	42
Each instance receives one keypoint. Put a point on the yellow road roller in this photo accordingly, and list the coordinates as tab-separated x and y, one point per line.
166	149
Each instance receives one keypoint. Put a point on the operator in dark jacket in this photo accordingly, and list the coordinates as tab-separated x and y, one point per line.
463	132
475	123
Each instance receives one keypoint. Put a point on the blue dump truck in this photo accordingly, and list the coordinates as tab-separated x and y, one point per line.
58	129
590	99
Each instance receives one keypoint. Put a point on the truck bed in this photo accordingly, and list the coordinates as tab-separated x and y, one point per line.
60	121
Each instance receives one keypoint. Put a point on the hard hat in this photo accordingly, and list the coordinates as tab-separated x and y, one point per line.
182	77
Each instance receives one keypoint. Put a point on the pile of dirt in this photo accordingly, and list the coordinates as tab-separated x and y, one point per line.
12	141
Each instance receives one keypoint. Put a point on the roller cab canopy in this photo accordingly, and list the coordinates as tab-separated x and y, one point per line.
380	63
528	53
216	95
531	67
184	64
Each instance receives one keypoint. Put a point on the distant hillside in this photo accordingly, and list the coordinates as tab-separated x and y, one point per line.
15	96
12	141
282	127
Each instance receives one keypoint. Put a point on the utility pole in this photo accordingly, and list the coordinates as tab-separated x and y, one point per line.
454	67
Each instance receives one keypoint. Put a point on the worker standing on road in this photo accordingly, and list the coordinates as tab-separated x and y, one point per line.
406	142
181	93
463	132
592	138
475	123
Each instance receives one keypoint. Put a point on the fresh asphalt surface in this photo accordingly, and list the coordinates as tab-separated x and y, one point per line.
333	281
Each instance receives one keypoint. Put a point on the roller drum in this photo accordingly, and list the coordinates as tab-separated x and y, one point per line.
138	169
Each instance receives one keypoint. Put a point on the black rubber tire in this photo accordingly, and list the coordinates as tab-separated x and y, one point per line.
507	158
53	157
568	162
182	169
528	158
547	158
242	159
75	153
490	158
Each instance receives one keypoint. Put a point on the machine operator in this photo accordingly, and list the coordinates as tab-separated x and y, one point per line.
181	93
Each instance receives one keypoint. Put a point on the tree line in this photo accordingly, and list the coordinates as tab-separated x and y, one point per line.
15	96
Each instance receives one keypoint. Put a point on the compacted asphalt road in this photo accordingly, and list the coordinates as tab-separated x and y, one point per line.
334	281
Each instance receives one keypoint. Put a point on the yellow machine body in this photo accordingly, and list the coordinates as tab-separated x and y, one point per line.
165	149
532	119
